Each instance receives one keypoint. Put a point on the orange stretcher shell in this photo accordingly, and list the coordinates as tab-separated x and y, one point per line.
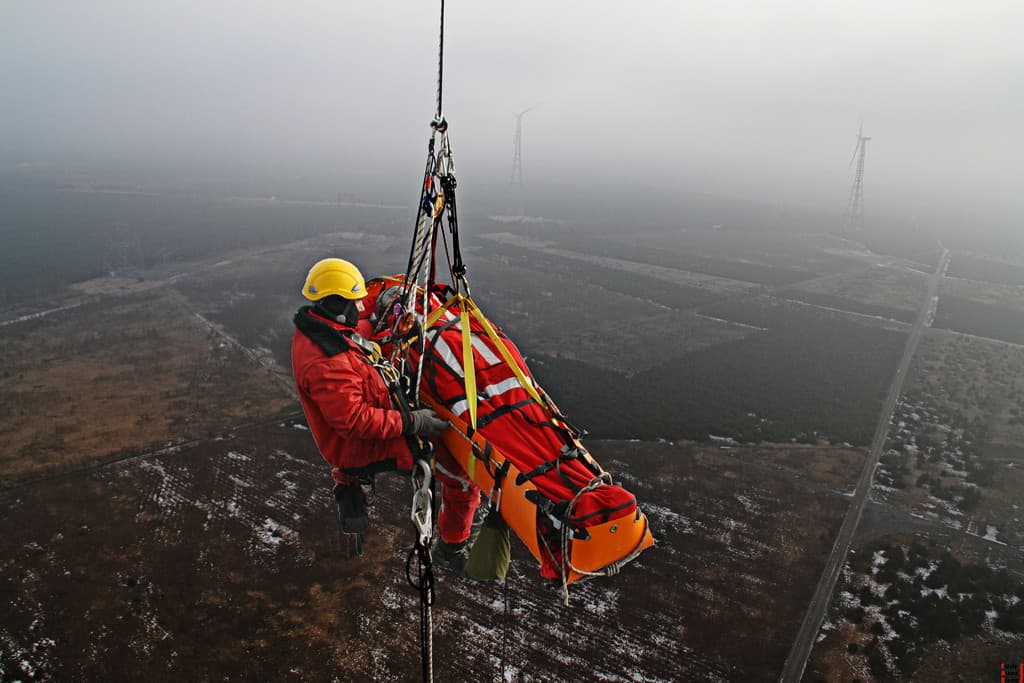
609	543
575	550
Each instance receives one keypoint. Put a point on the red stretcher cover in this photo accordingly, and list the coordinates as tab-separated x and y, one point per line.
517	446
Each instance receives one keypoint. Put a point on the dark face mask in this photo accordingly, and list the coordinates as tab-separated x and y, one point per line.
339	309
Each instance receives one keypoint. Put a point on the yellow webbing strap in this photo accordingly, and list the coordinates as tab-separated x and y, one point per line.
505	354
468	367
436	314
469	375
468	307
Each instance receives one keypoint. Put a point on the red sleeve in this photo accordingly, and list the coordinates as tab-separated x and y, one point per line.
339	391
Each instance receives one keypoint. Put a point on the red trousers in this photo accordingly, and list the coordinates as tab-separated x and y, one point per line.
460	497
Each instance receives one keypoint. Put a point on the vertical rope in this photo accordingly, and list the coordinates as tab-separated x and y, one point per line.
507	627
440	64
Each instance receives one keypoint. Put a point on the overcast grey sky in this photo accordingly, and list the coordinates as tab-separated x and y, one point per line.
755	99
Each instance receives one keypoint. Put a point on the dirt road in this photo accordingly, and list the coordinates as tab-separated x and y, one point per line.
796	661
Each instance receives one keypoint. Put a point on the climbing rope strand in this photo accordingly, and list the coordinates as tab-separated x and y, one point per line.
424	584
426	618
424	243
422	229
440	64
422	519
422	341
506	626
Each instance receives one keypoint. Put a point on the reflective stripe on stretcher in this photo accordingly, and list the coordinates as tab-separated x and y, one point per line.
490	391
453	363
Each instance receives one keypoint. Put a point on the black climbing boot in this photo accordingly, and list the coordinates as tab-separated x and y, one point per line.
451	556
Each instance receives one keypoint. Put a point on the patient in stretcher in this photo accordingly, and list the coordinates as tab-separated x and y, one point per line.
532	434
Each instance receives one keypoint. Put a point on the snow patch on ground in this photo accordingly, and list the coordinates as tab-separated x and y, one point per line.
239	482
877	560
270	535
608	602
667	519
748	504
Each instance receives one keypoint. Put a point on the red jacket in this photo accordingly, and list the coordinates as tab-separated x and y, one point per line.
346	402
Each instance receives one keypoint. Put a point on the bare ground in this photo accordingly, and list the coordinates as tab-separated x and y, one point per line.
119	374
889	286
221	559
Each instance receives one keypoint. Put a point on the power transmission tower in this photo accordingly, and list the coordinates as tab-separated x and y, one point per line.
855	205
517	158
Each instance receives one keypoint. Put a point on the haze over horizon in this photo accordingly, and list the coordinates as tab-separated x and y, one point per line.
735	99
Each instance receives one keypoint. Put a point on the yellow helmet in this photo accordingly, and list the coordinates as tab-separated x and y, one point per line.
334	276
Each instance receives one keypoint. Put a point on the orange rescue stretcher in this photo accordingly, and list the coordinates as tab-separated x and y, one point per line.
516	445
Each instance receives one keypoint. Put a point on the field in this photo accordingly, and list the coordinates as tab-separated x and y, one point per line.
549	312
882	291
830	467
119	375
974	268
221	559
934	589
782	385
754	256
526	249
216	553
995	311
954	452
984	320
169	517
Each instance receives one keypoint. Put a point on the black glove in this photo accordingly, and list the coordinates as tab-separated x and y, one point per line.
351	508
425	422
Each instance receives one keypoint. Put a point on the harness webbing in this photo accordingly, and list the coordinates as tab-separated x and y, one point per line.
469	308
468	367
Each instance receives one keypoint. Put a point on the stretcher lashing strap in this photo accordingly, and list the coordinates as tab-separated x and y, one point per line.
467	308
436	314
468	366
469	377
503	350
467	304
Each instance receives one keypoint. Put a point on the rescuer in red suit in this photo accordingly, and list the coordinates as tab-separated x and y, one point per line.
350	411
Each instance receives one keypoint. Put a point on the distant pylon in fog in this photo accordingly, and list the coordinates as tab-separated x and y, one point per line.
855	206
517	158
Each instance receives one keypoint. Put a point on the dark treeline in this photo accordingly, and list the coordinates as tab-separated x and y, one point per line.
808	376
625	282
56	237
973	268
684	260
844	304
984	320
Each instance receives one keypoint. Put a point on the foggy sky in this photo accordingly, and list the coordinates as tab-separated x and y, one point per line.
749	99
